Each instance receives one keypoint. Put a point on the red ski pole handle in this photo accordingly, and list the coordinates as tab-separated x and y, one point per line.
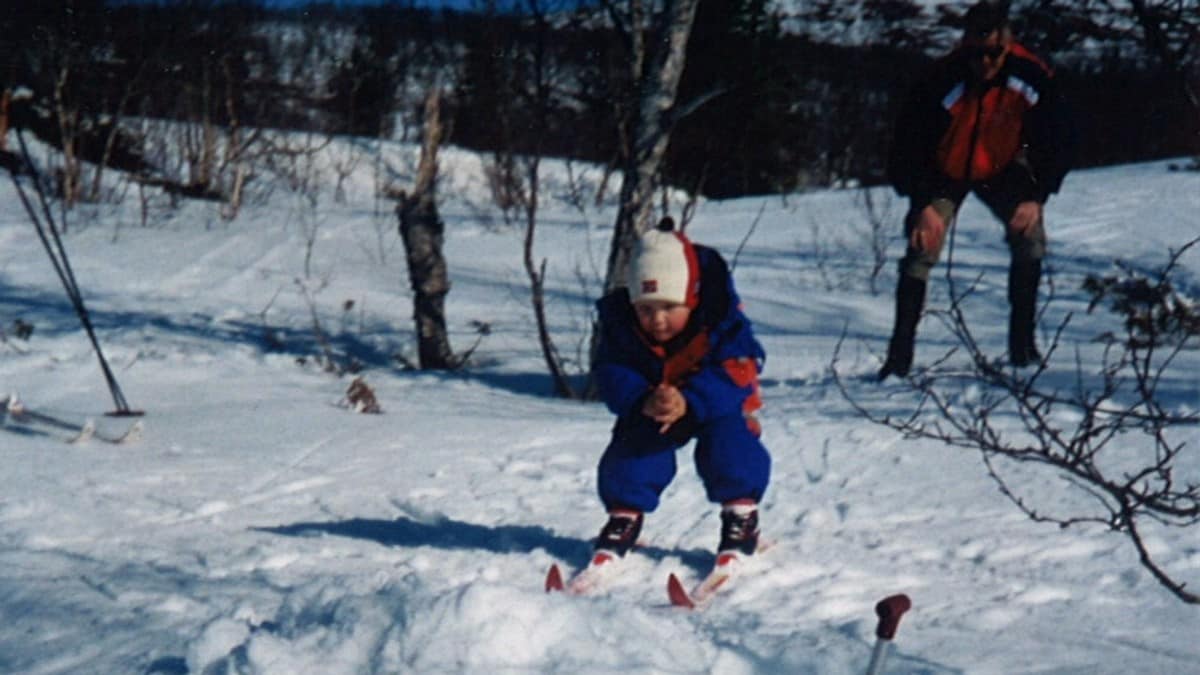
889	610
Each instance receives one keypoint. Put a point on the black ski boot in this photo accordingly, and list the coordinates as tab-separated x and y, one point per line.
620	533
1023	279
910	299
739	528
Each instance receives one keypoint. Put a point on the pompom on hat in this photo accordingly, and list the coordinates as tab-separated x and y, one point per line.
664	267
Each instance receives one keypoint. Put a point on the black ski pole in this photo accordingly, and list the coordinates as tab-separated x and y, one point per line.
62	267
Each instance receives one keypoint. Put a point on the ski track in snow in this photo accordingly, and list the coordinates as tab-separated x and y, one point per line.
257	527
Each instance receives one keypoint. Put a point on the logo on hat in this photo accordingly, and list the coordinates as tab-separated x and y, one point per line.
664	268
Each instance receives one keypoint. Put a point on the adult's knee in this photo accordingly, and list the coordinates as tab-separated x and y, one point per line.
926	228
917	265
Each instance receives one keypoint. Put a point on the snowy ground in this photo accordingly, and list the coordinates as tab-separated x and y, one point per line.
258	527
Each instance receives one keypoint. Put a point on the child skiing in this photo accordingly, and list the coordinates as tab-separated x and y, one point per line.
678	361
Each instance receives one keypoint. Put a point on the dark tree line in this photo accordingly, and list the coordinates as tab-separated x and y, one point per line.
773	110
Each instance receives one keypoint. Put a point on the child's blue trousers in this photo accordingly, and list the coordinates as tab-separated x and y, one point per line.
639	462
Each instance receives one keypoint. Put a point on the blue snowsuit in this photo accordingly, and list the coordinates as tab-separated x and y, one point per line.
715	363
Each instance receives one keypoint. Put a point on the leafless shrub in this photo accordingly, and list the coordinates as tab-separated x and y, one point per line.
330	360
1155	313
749	233
879	226
505	185
1112	435
20	330
838	251
821	253
360	397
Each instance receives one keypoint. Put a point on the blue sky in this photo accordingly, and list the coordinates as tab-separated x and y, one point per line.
453	4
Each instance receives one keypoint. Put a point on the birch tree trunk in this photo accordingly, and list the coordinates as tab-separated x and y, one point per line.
5	98
659	55
422	231
68	127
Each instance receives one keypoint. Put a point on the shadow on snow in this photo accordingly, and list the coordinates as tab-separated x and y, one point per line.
456	535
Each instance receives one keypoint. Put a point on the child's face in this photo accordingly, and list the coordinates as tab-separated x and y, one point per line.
662	320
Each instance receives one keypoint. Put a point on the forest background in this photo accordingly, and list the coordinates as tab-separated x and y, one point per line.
777	97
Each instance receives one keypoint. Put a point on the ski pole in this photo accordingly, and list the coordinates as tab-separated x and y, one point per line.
62	266
889	610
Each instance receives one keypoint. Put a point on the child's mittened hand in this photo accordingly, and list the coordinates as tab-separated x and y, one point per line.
665	405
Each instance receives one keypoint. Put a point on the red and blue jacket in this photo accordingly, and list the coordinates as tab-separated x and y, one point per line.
955	130
714	362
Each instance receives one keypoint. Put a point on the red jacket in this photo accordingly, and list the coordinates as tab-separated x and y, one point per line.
954	131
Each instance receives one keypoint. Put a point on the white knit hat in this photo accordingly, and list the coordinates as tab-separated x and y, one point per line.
664	267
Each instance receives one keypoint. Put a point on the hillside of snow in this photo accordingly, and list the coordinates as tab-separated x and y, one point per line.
259	526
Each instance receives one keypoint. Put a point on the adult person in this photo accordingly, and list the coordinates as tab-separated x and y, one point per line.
985	120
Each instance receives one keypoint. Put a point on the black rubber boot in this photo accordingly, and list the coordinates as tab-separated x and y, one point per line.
739	528
1023	280
620	533
910	299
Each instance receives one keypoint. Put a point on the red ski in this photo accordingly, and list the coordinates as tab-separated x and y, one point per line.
600	570
726	567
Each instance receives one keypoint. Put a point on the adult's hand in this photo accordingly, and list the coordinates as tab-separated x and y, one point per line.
929	231
1025	217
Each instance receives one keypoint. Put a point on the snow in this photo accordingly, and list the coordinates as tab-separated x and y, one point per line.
260	527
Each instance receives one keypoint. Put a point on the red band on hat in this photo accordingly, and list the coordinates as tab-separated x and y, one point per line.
692	297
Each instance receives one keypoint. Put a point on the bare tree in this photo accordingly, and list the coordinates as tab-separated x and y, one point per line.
1168	31
657	47
539	99
68	42
1111	436
1171	31
537	286
422	230
5	102
655	37
518	71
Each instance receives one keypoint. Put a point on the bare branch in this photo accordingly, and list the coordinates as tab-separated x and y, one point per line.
1109	437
